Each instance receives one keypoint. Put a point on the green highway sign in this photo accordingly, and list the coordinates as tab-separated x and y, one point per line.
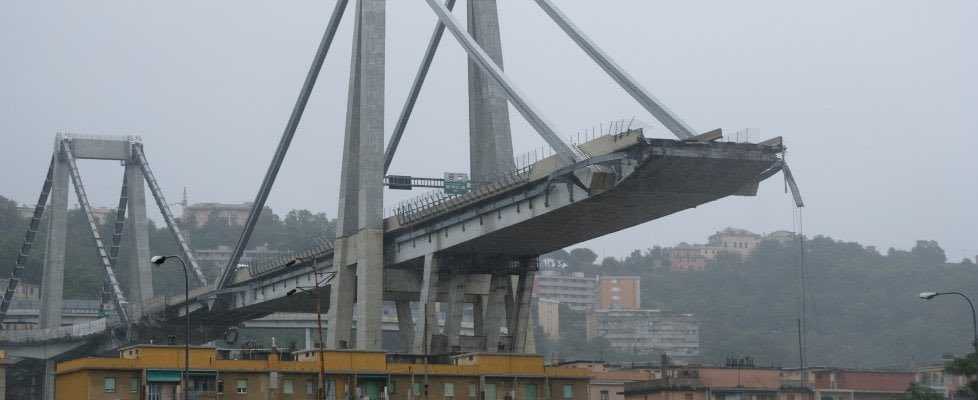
456	183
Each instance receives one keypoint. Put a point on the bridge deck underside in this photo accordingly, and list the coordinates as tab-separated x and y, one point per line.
663	186
217	320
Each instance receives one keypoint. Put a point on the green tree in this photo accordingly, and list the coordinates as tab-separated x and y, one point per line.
921	392
966	366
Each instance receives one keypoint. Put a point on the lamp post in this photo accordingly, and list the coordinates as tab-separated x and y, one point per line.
974	318
185	380
319	324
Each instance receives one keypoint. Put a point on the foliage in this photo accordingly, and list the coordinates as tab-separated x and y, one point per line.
299	230
967	366
862	306
921	392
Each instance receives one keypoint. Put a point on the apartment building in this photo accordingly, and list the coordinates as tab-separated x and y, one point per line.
619	292
576	290
719	383
154	372
675	335
856	384
231	214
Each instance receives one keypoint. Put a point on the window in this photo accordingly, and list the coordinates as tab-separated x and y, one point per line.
108	384
604	395
416	388
220	386
449	391
310	387
490	389
241	386
568	391
530	392
133	385
287	387
473	391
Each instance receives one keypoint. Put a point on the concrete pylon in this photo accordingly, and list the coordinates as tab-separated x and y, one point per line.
405	325
479	315
496	314
456	308
137	241
490	139
52	278
50	369
360	216
428	299
522	327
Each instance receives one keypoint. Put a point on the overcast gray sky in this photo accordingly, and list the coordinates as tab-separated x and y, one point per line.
877	100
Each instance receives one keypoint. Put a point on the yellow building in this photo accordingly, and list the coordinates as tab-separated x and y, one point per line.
153	372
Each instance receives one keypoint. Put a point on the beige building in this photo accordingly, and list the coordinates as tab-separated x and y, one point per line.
548	317
651	332
608	383
740	241
575	290
718	383
229	214
619	292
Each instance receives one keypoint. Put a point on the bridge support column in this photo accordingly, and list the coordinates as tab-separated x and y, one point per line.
370	289
478	316
428	299
496	311
137	234
341	297
522	327
47	390
360	215
456	307
405	325
490	139
3	382
52	278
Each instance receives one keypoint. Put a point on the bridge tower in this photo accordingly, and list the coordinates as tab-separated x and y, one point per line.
63	169
442	275
359	257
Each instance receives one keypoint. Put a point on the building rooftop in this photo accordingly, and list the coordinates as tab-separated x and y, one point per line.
140	357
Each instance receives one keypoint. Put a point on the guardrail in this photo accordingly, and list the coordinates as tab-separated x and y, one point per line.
73	332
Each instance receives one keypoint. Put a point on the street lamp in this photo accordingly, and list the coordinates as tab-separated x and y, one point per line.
974	318
159	260
319	323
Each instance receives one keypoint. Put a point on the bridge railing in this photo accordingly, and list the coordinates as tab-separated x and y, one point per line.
436	201
433	202
72	332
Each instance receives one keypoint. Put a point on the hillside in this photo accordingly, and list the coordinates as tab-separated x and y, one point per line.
863	309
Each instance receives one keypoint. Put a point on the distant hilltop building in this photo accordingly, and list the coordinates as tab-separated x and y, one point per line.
694	257
232	214
213	260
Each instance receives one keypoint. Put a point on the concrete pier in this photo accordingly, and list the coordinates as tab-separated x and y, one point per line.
360	232
490	139
52	279
137	237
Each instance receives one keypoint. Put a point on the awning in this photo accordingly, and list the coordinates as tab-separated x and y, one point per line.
169	375
162	376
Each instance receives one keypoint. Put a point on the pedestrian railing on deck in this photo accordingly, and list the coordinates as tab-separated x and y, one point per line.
72	332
